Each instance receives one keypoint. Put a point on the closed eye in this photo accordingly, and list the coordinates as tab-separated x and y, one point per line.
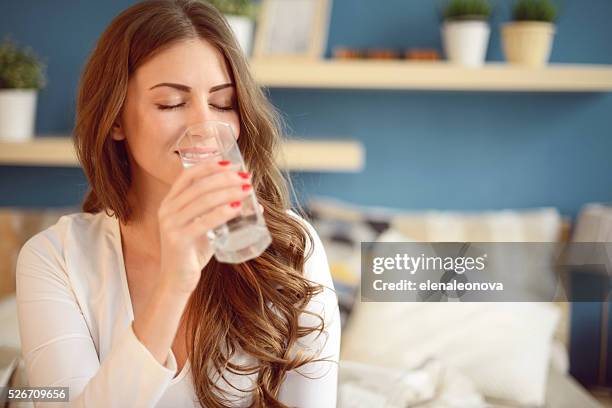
180	105
170	107
223	108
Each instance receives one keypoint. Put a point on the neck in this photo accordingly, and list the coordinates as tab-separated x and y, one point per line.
142	230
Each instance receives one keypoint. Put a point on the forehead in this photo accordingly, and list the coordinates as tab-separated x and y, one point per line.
193	62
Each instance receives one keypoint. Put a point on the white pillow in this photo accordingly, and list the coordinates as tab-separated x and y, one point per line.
504	347
525	225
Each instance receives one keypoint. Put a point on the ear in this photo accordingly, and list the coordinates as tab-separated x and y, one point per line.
117	131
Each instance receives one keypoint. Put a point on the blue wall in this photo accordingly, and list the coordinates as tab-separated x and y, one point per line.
454	150
447	150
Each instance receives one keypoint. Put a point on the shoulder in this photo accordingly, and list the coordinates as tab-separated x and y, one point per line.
323	305
316	266
69	226
70	231
312	231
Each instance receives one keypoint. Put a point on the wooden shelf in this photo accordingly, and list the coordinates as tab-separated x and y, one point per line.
323	155
41	151
299	155
404	75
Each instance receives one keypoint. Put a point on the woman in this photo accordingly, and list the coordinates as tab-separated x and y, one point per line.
124	303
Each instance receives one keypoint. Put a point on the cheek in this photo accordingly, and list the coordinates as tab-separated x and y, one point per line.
151	135
163	126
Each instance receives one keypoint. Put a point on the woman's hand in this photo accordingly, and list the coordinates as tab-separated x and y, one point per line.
198	201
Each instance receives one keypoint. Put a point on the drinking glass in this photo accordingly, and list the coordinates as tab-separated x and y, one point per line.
245	236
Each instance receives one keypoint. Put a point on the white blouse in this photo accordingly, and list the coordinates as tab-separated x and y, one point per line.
75	315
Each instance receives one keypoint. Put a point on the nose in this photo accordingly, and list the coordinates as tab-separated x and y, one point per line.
200	112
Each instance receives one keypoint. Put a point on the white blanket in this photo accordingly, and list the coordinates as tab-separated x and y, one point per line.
431	384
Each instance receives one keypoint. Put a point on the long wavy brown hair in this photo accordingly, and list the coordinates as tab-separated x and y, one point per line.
229	310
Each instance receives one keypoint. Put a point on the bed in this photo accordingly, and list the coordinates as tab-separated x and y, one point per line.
341	226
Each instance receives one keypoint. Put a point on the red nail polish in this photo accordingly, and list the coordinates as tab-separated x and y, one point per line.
243	174
246	187
224	162
235	204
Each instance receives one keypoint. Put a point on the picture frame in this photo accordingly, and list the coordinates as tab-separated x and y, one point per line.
292	29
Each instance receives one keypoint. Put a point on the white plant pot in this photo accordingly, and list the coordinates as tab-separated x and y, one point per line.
528	42
466	42
243	31
17	114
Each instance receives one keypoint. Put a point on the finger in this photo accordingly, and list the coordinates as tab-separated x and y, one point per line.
206	185
198	208
200	169
189	173
211	220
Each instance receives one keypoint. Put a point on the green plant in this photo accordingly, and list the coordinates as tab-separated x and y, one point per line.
467	10
534	10
20	68
244	8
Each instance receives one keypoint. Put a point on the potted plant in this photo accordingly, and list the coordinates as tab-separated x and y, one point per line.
465	31
21	76
240	14
527	40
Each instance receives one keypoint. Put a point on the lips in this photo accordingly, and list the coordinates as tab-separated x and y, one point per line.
197	153
198	150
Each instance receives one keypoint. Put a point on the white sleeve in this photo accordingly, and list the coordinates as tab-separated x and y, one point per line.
57	346
321	389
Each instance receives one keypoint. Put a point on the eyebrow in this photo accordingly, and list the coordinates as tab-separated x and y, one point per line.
186	88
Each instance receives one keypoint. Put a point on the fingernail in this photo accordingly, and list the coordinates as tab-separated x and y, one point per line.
224	162
243	174
235	204
245	187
